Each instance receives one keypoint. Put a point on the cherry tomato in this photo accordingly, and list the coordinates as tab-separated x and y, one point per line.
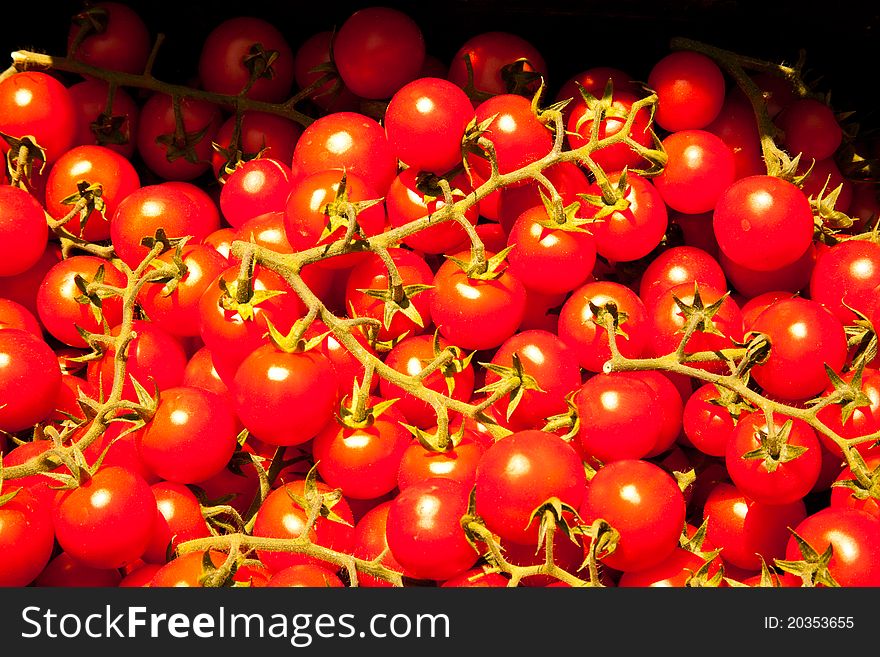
110	35
27	539
23	232
690	88
29	380
847	273
260	134
810	127
311	63
115	130
700	166
736	127
254	188
305	575
179	519
677	266
369	542
568	179
65	571
617	156
495	58
707	425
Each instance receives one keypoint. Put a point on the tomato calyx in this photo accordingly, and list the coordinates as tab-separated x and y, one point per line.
481	269
315	503
698	316
85	200
554	514
356	412
341	213
813	567
111	129
612	199
6	497
398	299
829	221
603	542
171	273
735	404
241	297
774	449
568	419
513	380
866	484
450	360
295	342
20	158
91	20
182	143
850	394
437	441
92	293
258	62
518	79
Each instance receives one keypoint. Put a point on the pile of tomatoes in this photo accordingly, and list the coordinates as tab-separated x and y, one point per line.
429	409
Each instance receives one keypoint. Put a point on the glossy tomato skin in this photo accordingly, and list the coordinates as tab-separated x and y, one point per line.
810	127
349	141
627	235
179	519
549	260
168	156
406	203
490	53
90	165
618	418
668	398
37	105
305	576
424	531
186	570
847	273
804	338
577	325
29	380
700	166
855	540
60	312
108	521
550	362
748	531
281	517
460	306
257	186
425	123
190	438
260	133
151	207
122	43
27	539
459	463
369	542
676	266
520	472
763	210
690	88
708	426
284	398
14	315
23	232
377	50
225	60
779	483
644	504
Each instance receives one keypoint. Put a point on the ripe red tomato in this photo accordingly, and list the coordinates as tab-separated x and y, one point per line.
377	50
517	134
15	316
748	531
792	278
305	575
479	577
349	141
690	88
108	521
771	479
765	211
312	55
618	418
546	259
115	130
271	135
186	570
668	396
65	571
250	53
424	531
804	338
630	234
847	273
168	154
425	123
29	380
519	473
59	309
280	516
23	232
578	328
369	542
191	436
493	57
256	187
37	105
677	266
461	306
284	398
550	362
179	519
83	166
700	166
27	538
144	211
708	426
616	157
854	537
644	504
736	127
116	38
810	127
458	463
594	80
676	570
861	421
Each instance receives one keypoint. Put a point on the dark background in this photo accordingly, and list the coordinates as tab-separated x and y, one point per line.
573	35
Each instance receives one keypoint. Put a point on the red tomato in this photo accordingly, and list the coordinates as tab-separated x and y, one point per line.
847	273
804	338
191	436
377	50
256	187
793	278
578	328
810	127
65	571
314	52
115	130
690	88
494	56
854	537
675	570
108	521
618	156
247	53
37	105
736	127
644	504
179	519
677	266
458	463
260	133
284	398
479	577
424	531
700	166
85	166
29	380
15	316
200	373
305	575
669	400
369	542
861	421
23	232
110	35
22	288
519	473
765	211
845	497
708	426
461	307
568	179
771	479
594	80
27	539
186	570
